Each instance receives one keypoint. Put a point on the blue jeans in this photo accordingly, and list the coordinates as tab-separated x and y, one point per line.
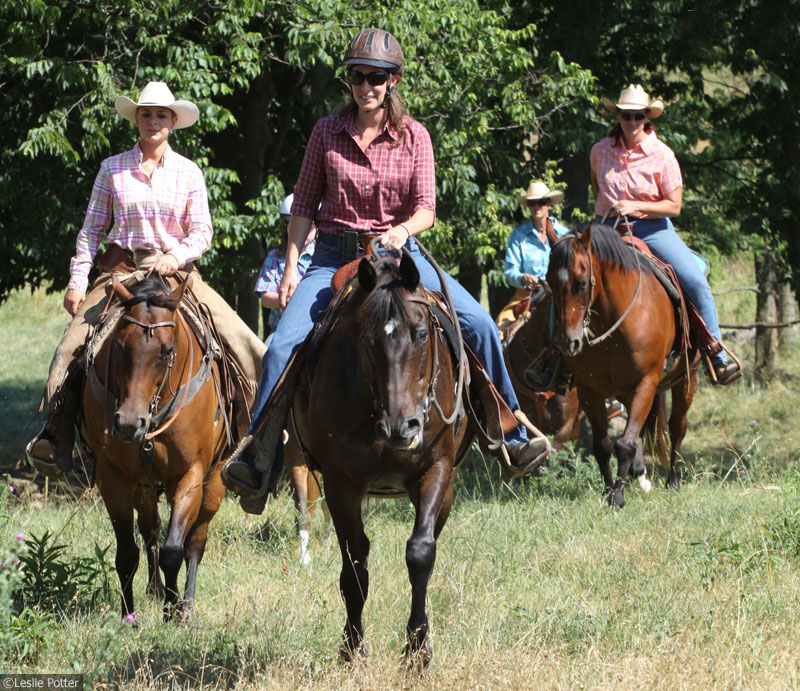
313	295
665	243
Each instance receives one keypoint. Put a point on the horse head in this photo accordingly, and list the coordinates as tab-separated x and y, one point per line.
143	351
571	278
395	353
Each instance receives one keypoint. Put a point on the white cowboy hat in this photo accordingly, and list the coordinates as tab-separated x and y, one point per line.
538	190
634	97
158	94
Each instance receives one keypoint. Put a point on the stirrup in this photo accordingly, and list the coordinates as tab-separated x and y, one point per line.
727	377
41	455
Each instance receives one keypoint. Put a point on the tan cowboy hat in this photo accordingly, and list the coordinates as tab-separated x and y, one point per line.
634	97
538	190
158	94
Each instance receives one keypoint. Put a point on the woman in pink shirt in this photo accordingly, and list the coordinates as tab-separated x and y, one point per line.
151	205
636	175
369	168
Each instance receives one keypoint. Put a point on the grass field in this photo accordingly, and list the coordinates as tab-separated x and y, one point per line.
537	584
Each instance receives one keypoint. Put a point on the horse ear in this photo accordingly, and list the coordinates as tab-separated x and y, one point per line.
180	289
586	237
409	273
552	236
366	275
122	292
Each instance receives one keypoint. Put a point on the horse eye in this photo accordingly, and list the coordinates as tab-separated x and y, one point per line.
580	286
167	351
421	336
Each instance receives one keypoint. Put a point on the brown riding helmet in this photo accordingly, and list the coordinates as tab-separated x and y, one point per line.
377	48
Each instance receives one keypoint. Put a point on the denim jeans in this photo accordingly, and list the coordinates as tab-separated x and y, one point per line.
313	294
666	244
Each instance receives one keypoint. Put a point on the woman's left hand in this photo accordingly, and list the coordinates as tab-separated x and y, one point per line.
626	207
395	238
166	265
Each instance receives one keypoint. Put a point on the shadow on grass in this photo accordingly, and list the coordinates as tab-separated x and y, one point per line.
20	418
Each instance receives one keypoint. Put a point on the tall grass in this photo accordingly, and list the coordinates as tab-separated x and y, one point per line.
536	584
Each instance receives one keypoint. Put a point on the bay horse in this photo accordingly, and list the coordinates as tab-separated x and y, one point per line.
153	366
526	345
381	417
616	328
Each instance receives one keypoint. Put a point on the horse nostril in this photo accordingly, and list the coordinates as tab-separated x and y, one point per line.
382	429
413	425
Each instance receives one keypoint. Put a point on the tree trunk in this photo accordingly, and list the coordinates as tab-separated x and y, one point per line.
787	312
767	313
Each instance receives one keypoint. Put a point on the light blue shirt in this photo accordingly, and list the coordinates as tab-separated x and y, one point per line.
527	254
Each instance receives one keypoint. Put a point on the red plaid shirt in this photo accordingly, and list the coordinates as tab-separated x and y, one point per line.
645	173
370	190
168	211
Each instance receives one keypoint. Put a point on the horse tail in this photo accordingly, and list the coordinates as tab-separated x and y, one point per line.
654	432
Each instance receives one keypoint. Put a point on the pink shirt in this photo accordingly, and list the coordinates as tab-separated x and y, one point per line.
370	190
168	211
645	173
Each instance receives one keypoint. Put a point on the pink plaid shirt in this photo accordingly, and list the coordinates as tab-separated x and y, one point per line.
168	212
370	190
646	173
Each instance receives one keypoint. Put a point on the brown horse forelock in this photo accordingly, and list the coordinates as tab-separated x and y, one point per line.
153	293
607	246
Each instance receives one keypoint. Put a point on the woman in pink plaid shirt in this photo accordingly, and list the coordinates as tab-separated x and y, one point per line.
636	175
151	205
369	168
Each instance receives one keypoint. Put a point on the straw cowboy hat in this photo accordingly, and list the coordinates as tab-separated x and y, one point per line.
634	97
538	190
158	94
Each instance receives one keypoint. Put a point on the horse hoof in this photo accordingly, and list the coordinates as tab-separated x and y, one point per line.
418	660
349	654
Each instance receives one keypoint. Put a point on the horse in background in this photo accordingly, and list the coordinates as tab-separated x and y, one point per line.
382	417
616	328
525	345
154	419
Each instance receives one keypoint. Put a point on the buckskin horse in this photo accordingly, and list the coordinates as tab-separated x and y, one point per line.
167	429
526	344
616	330
382	417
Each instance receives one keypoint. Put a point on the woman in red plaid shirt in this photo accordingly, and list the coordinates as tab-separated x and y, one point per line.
150	203
369	168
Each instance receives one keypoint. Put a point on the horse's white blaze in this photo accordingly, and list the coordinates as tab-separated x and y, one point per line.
305	555
644	483
563	275
391	325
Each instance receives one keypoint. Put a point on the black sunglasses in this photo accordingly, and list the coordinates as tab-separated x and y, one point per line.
375	78
537	202
627	117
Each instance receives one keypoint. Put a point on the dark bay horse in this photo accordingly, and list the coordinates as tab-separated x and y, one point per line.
164	430
616	329
526	345
381	418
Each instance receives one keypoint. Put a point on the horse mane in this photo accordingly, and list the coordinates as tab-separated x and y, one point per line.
384	303
607	246
153	293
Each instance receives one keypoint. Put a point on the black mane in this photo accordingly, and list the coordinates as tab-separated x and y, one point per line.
152	292
607	246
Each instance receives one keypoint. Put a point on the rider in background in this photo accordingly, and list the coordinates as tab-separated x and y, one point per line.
152	203
528	250
636	175
368	168
269	278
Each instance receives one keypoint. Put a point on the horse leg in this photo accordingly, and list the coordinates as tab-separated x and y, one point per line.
185	499
195	544
146	501
120	511
595	408
432	499
344	504
682	396
300	477
627	446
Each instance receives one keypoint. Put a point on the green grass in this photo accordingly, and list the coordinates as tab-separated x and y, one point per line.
537	584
